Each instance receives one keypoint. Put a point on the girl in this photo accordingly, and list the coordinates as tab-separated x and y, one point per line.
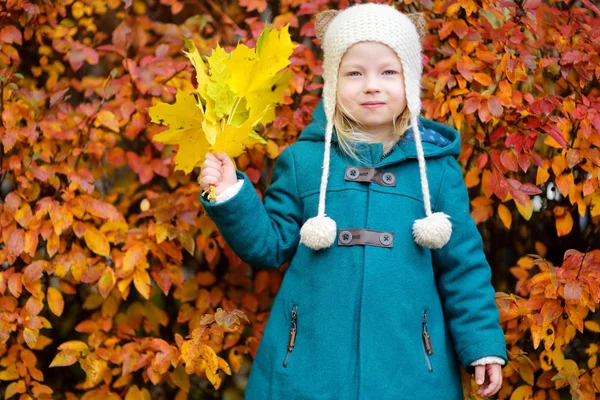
373	305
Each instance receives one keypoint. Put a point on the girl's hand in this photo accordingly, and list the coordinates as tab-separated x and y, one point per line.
489	379
218	170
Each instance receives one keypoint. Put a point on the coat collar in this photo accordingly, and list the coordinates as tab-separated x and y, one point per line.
437	139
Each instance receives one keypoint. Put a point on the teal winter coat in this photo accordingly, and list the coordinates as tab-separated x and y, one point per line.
360	313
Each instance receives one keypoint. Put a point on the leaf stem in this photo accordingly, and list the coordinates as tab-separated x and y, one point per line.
581	265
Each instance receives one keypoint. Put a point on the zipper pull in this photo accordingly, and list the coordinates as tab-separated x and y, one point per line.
292	338
426	337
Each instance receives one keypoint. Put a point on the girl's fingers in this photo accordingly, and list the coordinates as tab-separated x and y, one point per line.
479	374
224	158
208	180
496	379
212	165
210	156
212	172
216	164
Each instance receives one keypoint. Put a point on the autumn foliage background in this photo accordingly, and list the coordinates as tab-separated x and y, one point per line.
113	282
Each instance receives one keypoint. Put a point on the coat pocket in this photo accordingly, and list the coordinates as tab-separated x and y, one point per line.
426	342
292	334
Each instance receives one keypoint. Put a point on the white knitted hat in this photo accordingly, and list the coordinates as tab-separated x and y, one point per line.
338	31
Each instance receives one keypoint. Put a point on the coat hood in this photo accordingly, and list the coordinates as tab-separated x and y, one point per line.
438	139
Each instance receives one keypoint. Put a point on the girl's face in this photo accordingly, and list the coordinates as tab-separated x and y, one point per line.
371	86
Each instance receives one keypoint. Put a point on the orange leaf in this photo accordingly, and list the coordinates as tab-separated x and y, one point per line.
163	279
135	256
108	119
565	182
106	282
589	186
30	336
23	215
261	280
559	163
16	242
96	241
52	244
141	280
10	373
55	301
40	390
524	392
592	326
206	278
31	242
505	215
527	210
459	27
573	290
472	177
542	176
15	388
482	78
236	358
102	209
64	359
15	285
73	345
33	271
563	221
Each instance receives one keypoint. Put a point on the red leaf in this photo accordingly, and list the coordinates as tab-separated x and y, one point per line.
556	134
530	189
471	105
58	96
524	161
10	34
532	4
509	160
482	160
499	184
121	36
253	175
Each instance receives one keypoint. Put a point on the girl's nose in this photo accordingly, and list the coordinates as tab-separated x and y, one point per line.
371	86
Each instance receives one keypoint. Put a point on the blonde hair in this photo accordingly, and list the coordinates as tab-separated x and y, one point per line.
349	131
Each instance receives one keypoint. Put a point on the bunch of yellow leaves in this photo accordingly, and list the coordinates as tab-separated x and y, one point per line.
235	93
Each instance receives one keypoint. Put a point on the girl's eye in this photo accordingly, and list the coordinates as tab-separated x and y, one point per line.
352	73
389	70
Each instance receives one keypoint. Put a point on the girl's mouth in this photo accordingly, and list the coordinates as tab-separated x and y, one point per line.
372	105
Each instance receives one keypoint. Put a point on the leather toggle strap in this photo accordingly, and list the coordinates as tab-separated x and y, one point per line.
366	174
353	237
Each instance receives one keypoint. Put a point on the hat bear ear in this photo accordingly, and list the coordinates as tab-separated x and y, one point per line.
322	22
418	19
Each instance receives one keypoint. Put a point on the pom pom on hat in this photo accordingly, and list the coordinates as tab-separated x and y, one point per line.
433	231
318	232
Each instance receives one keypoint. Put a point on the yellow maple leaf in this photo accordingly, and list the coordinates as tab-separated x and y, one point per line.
234	140
196	60
235	92
217	87
256	75
184	119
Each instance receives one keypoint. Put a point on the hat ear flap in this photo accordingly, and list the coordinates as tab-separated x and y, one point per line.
322	22
418	19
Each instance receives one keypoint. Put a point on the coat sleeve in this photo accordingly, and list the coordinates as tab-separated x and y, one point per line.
263	235
464	277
